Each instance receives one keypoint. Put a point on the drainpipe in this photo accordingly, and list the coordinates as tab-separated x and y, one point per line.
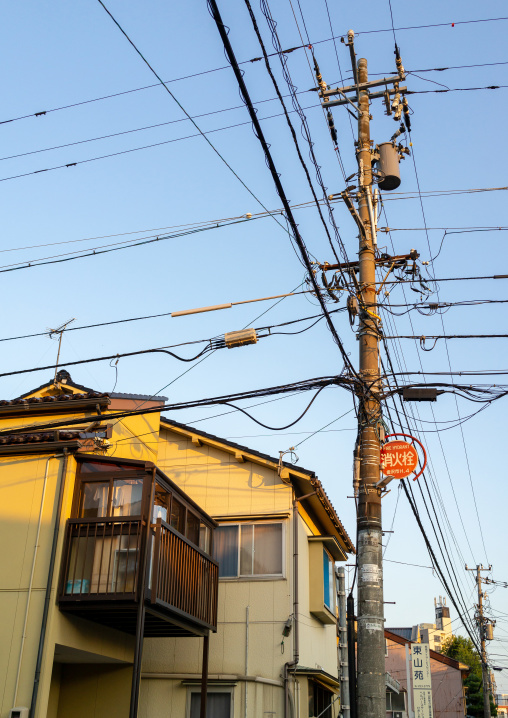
343	645
247	609
296	639
49	583
351	655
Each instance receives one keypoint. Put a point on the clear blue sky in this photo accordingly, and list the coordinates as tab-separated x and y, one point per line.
57	54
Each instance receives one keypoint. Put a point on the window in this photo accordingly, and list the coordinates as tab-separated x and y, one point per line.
328	582
245	550
218	704
320	701
111	497
322	591
177	519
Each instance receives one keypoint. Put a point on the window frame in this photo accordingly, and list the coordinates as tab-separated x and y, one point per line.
129	471
109	477
329	580
193	690
257	576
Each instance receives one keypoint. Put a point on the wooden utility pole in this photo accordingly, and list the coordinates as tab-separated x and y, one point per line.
370	680
481	625
371	687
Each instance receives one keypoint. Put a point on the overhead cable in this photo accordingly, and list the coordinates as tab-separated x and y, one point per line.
275	175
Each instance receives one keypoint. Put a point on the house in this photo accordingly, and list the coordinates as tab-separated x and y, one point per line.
127	535
448	696
277	540
101	549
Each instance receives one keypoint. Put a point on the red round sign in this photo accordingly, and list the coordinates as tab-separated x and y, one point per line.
398	459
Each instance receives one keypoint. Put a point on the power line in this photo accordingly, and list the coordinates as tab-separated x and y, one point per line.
455	89
260	135
71	256
203	134
213	342
150	146
318	384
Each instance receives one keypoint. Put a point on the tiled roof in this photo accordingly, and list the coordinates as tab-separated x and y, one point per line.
20	401
40	437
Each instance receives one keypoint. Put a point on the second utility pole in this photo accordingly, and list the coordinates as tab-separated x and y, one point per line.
371	687
481	626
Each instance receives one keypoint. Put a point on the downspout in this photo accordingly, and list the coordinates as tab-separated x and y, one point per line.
49	584
247	609
296	639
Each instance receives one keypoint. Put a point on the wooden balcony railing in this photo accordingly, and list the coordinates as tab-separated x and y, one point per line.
183	576
102	558
103	561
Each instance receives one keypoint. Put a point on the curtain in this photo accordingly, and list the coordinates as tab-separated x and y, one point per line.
226	550
267	549
218	705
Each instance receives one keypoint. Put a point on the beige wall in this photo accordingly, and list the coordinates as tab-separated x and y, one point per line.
93	691
21	490
224	486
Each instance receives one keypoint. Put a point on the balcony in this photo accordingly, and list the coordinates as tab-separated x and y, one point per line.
112	563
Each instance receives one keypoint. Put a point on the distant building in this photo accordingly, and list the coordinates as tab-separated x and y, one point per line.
501	701
435	634
448	694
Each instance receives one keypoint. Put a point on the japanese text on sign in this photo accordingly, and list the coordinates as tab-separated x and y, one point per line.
421	680
398	459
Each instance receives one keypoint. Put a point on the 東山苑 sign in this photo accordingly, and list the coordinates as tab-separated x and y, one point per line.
421	680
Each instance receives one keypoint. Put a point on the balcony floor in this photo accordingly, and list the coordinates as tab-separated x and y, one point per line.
122	615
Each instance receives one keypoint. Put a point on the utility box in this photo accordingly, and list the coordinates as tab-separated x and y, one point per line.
388	166
18	713
240	338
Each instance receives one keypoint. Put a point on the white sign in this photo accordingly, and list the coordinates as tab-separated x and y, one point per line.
421	680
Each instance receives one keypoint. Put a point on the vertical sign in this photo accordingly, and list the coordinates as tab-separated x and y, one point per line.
421	680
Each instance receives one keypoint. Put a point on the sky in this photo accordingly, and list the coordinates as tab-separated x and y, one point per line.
142	172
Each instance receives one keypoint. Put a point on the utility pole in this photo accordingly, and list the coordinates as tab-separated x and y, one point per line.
482	626
370	680
371	687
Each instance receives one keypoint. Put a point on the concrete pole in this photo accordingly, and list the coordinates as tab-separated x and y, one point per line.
371	654
343	648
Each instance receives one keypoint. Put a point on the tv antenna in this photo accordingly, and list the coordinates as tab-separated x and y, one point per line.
58	332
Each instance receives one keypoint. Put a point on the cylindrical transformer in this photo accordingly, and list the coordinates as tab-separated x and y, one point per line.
489	632
388	165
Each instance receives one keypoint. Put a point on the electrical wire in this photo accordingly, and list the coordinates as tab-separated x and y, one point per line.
290	125
275	176
114	247
200	131
224	400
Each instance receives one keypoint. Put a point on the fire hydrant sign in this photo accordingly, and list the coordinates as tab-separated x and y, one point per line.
398	459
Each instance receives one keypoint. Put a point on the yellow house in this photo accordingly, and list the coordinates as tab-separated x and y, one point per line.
129	536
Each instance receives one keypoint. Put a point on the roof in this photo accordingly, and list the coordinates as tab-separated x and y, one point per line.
433	654
240	447
318	674
404	632
319	498
64	378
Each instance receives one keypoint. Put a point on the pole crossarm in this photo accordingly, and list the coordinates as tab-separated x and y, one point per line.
361	86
